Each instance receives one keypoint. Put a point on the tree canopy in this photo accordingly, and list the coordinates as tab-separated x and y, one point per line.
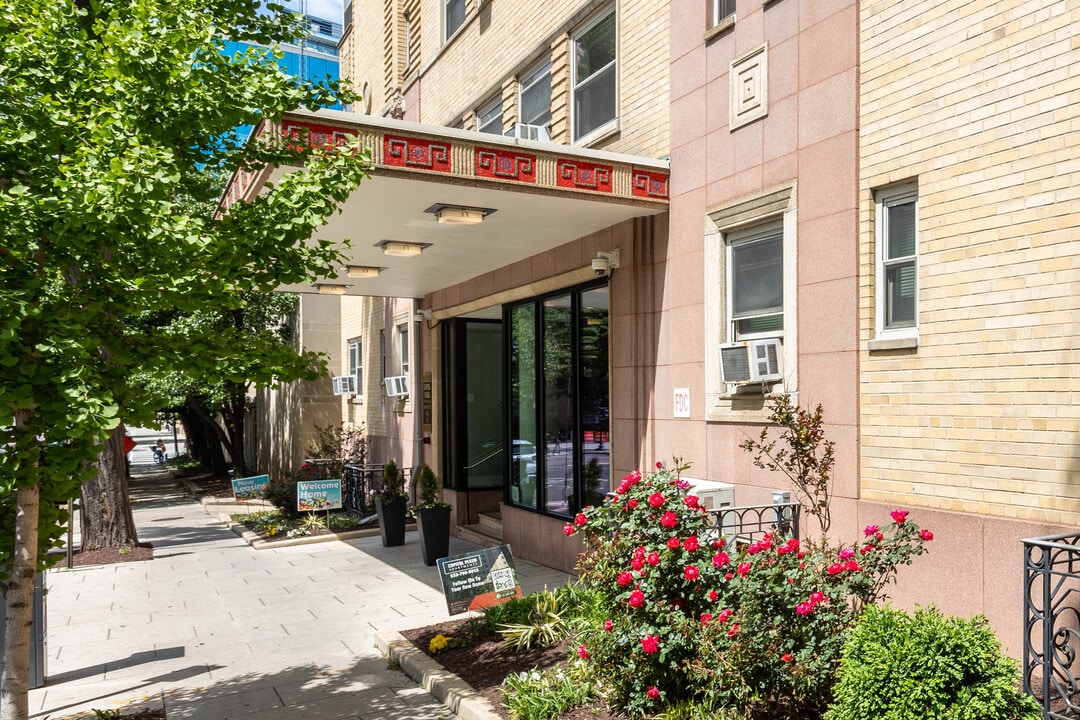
112	119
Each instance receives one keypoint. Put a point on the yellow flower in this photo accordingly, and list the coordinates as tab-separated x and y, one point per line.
439	642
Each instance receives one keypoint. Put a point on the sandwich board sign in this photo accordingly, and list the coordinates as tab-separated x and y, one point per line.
249	488
318	495
478	579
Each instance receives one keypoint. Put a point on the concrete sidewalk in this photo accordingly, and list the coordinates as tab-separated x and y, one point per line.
212	629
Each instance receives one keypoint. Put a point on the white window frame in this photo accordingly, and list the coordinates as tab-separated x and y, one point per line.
738	221
746	237
356	364
447	31
403	349
614	122
490	106
529	80
883	200
716	7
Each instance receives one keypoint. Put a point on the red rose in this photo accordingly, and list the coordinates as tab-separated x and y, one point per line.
743	568
899	516
625	579
637	563
836	568
637	598
669	519
926	535
714	596
786	657
691	501
608	625
580	519
650	644
733	630
568	530
653	558
656	500
632	504
582	652
720	559
725	615
690	573
652	693
706	618
871	530
673	543
690	544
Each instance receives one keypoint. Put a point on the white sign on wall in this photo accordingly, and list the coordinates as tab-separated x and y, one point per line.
682	403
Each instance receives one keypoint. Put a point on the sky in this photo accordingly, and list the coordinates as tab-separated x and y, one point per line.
326	9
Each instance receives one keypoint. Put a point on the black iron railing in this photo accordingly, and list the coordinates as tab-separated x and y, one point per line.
749	523
1052	623
360	482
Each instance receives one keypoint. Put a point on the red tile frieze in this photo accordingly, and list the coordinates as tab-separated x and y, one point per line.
512	164
651	185
505	165
316	136
416	153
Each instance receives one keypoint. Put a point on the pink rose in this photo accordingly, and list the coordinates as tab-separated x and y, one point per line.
899	516
846	553
871	530
804	608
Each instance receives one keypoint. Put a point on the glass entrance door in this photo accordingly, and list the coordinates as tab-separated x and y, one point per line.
474	403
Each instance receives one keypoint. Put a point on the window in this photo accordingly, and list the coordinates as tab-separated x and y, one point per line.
382	354
721	9
751	293
403	346
534	96
454	16
489	117
356	364
408	40
755	269
897	271
593	77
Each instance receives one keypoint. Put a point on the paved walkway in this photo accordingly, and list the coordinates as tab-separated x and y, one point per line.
212	629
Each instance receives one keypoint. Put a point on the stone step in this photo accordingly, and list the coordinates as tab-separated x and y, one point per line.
479	535
493	521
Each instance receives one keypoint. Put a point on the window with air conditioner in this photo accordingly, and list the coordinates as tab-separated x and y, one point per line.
750	302
593	77
534	103
489	117
403	349
897	262
453	17
356	364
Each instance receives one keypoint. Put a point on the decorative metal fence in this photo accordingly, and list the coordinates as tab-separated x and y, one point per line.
1052	623
749	523
360	482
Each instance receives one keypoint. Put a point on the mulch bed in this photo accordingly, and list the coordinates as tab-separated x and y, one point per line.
108	556
484	660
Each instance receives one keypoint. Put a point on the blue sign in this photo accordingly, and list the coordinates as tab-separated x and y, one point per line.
318	495
249	488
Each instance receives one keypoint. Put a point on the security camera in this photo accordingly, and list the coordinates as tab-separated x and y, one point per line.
601	266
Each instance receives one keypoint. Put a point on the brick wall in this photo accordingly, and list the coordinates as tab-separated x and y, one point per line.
977	101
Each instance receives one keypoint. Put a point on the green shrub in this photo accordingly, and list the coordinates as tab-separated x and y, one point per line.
546	695
393	484
896	667
428	488
538	620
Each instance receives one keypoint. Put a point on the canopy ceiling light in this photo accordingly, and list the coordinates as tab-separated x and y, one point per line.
362	271
331	289
402	249
458	214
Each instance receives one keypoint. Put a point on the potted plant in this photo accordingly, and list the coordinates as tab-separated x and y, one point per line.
391	502
432	517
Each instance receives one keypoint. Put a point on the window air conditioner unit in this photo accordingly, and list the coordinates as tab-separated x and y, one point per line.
753	361
397	385
524	131
344	385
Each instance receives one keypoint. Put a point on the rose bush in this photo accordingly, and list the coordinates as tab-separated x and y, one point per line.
755	626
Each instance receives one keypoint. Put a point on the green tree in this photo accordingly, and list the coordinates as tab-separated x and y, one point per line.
111	119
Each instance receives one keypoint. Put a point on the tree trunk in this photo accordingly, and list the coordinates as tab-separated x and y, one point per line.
19	596
235	413
203	442
106	516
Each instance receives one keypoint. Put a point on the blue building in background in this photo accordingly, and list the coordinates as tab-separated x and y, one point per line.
314	58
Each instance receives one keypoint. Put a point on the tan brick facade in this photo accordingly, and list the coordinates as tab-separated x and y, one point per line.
977	103
496	43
